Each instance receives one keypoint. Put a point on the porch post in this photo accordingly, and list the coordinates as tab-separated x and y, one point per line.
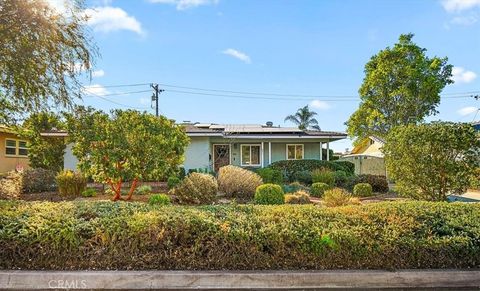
321	151
328	150
269	152
261	156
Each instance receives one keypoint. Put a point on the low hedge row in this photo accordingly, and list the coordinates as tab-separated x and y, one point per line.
291	168
104	235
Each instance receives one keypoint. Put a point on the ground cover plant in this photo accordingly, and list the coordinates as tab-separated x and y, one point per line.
106	235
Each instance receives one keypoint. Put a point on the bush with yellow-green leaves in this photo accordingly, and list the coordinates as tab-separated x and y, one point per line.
102	235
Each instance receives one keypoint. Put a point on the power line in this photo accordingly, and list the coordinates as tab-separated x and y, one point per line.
251	97
126	85
117	94
120	104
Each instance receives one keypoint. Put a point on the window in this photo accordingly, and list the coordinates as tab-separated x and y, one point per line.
22	148
294	151
10	147
16	147
250	155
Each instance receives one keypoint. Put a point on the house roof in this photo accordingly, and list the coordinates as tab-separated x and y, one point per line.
240	131
364	142
251	130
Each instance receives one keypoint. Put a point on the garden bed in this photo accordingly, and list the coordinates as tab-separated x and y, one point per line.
83	235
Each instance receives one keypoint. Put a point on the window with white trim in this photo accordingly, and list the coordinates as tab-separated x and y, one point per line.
10	147
250	155
22	148
15	147
294	151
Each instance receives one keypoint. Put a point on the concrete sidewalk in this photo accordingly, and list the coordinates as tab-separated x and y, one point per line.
238	280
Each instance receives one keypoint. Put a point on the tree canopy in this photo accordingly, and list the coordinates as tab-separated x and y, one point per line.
304	119
402	86
125	146
42	55
429	161
44	152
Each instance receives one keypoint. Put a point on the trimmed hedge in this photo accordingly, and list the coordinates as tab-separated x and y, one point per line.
102	235
291	167
362	190
269	194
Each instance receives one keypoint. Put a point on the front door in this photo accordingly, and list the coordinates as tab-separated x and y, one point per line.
221	156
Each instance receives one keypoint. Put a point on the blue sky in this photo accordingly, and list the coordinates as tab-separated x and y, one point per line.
287	47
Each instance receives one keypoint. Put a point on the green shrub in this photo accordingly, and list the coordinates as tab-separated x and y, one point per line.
181	173
338	197
269	194
341	178
318	189
475	180
143	190
270	175
202	171
237	182
299	197
348	167
71	184
136	236
304	177
196	188
172	182
89	192
379	183
362	190
38	180
323	176
294	187
159	199
290	167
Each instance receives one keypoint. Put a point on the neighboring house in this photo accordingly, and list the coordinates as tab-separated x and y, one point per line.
251	146
13	151
368	157
476	125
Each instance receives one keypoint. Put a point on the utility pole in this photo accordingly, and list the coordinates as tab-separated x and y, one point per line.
156	92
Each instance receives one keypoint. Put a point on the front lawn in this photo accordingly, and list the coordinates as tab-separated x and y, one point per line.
104	235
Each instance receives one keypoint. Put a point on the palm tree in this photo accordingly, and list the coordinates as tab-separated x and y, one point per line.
304	119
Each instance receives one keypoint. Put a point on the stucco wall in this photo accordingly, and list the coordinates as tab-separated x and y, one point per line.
197	153
10	163
367	164
70	161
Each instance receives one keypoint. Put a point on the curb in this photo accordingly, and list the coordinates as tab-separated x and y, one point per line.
239	280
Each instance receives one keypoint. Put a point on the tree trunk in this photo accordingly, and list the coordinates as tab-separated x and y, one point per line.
116	190
132	188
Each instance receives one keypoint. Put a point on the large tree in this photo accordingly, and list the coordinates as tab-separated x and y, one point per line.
304	119
44	152
126	146
43	52
429	161
402	85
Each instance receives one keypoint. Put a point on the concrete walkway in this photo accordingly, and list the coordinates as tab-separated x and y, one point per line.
228	280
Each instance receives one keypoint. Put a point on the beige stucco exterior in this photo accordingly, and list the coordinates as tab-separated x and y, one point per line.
10	162
368	157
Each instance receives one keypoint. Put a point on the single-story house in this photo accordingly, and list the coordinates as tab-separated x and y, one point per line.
368	157
246	145
13	151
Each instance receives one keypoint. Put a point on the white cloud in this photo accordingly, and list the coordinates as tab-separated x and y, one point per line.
107	19
98	73
95	89
185	4
238	55
460	75
318	104
465	20
467	110
459	5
